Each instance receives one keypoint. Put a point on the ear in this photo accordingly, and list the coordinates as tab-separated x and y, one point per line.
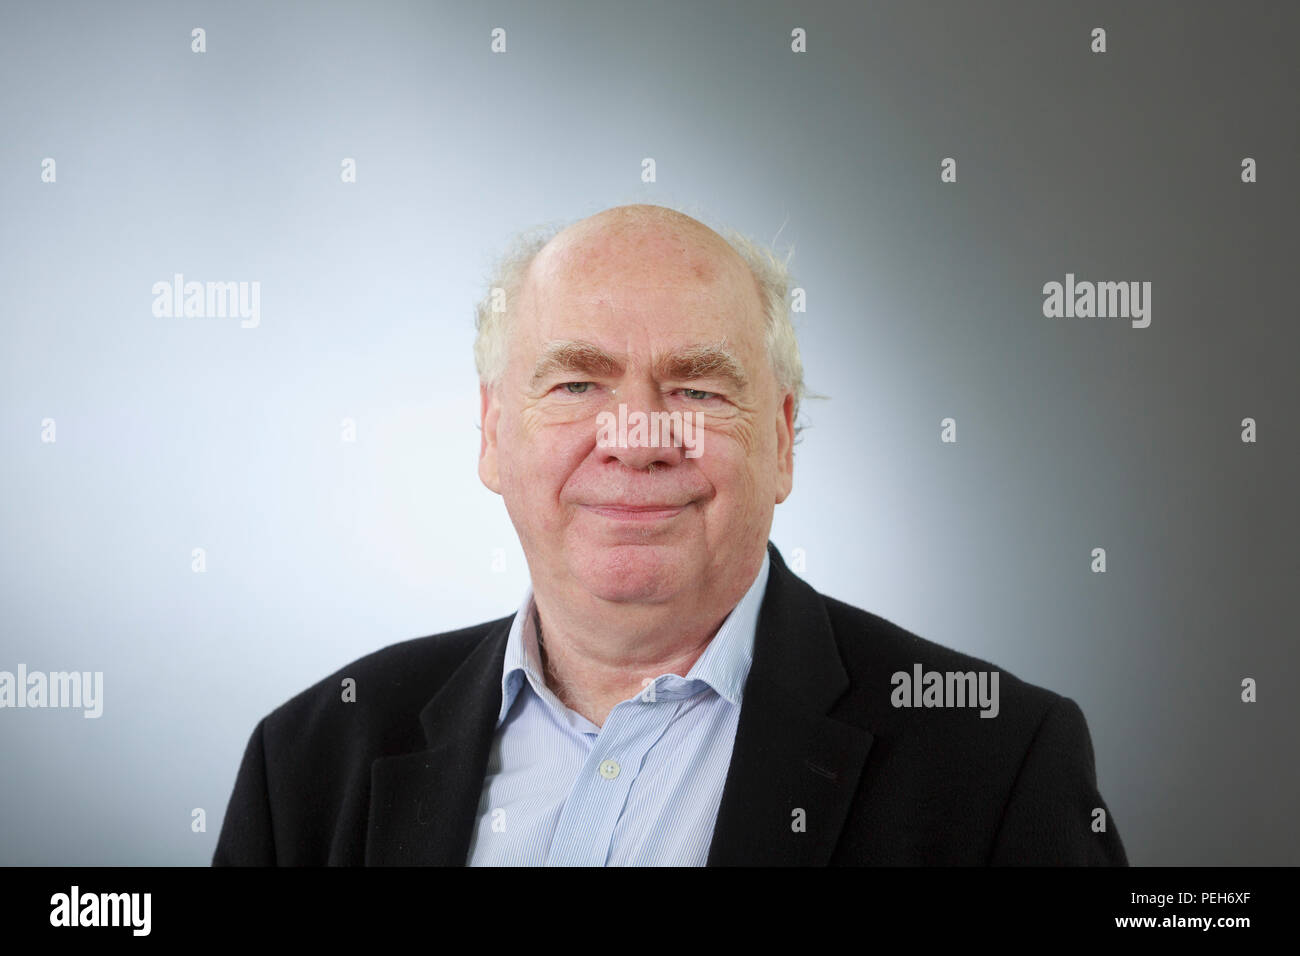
785	448
490	415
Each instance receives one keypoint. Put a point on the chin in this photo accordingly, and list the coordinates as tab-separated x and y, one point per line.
632	572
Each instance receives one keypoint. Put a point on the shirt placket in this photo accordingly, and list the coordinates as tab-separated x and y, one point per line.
585	831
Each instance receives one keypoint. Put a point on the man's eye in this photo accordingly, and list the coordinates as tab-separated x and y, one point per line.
697	394
576	388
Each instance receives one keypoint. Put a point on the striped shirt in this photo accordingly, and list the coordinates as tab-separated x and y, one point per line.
642	790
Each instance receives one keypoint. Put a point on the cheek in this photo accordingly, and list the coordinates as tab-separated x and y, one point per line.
732	472
538	460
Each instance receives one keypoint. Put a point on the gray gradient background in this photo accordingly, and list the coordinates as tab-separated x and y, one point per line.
924	302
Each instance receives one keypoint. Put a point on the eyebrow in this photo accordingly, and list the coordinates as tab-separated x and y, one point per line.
702	361
581	358
684	364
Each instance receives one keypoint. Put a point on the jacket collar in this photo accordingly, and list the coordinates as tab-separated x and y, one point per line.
793	770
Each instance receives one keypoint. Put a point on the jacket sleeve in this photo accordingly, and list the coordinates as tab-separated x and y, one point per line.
247	838
1051	817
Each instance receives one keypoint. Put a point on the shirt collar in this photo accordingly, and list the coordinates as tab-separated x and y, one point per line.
723	666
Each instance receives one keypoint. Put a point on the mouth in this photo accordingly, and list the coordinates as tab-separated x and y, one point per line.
642	513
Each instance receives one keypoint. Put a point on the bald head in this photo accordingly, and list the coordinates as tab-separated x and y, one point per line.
646	245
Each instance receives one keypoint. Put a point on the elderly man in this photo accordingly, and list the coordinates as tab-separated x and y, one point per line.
669	692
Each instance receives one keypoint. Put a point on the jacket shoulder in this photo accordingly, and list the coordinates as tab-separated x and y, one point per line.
875	649
1006	778
389	688
301	795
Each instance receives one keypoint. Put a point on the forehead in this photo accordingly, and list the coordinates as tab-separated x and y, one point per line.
656	287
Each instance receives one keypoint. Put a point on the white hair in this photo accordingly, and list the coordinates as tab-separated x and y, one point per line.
771	276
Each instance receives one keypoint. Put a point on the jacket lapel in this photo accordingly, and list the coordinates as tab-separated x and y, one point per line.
794	770
423	804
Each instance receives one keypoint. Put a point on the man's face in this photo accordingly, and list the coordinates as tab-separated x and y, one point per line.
659	319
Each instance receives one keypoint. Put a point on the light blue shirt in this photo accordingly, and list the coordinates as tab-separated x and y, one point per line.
643	790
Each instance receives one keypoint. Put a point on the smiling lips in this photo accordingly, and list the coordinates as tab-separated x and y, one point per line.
618	512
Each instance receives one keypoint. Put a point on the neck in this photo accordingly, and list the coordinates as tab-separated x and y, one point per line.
592	661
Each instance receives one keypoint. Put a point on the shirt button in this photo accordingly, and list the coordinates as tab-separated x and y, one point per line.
609	769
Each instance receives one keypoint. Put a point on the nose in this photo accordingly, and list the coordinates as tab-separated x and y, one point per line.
639	430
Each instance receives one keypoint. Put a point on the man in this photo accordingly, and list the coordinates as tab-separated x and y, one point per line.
669	692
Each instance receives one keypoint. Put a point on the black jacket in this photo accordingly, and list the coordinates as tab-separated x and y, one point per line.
395	777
